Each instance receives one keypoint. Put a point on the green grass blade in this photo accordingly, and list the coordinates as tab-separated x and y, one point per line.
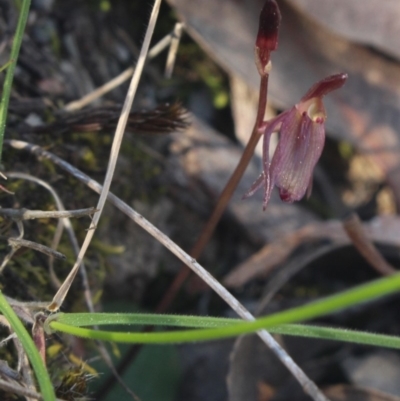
345	335
42	376
101	319
328	333
19	33
359	294
354	296
324	333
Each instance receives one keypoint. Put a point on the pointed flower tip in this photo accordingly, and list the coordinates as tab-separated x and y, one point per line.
267	37
326	86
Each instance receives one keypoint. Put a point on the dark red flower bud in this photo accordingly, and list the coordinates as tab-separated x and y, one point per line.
267	37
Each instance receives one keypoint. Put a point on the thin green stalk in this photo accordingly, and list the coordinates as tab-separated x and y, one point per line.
323	333
19	33
101	319
42	376
327	333
345	335
359	294
6	65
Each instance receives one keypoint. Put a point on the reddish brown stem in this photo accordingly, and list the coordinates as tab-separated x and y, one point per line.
223	199
206	233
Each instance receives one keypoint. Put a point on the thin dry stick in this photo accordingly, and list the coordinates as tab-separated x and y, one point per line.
18	306
4	341
121	78
62	292
6	259
160	46
15	388
23	365
26	214
365	246
17	243
64	222
173	50
99	92
308	386
222	201
6	371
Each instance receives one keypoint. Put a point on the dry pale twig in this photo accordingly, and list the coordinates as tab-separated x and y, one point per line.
4	341
15	388
26	214
64	222
125	75
63	290
308	386
23	363
17	243
22	308
7	371
173	50
24	366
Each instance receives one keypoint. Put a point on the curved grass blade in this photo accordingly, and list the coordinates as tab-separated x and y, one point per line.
42	376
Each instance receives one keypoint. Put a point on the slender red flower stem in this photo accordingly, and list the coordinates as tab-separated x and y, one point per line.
206	233
223	199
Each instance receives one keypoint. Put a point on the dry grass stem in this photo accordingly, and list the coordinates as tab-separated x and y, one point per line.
64	222
125	75
17	243
26	214
173	49
14	387
63	290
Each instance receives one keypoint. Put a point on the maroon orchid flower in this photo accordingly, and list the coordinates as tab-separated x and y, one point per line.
301	140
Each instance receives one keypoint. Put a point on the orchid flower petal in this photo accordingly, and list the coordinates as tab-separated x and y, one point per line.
264	177
300	146
301	140
257	184
326	85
